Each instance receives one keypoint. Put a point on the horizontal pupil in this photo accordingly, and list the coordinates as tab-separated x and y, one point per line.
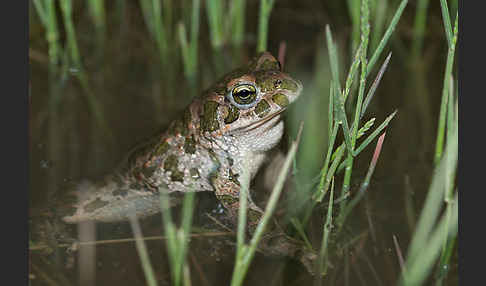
244	94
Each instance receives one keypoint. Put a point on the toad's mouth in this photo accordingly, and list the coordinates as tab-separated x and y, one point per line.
259	123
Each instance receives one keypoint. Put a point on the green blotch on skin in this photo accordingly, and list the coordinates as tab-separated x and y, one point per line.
280	99
262	108
209	120
190	145
162	148
194	173
252	65
170	164
177	176
233	114
269	65
264	82
96	204
289	85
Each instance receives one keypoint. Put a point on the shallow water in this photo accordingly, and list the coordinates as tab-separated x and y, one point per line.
137	98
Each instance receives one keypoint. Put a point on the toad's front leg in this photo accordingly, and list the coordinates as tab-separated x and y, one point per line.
227	190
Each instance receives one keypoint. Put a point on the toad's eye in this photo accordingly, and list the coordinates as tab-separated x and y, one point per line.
244	95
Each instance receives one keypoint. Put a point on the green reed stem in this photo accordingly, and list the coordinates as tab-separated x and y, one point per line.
214	9
426	244
449	240
160	31
417	269
323	259
445	94
237	13
47	14
142	252
151	10
341	118
330	114
243	201
446	18
353	70
66	8
386	36
321	191
189	50
454	6
333	58
265	10
177	238
300	230
365	32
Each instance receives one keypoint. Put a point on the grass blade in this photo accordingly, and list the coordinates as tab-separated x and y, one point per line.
445	94
142	252
375	84
353	70
322	262
237	14
387	35
265	10
341	116
300	230
446	18
432	206
375	133
333	58
214	9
